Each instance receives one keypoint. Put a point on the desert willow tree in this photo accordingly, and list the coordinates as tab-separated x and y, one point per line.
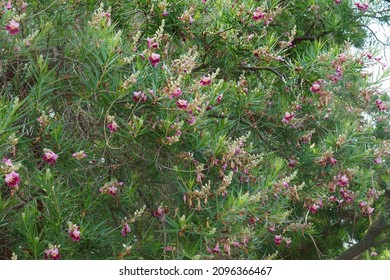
192	130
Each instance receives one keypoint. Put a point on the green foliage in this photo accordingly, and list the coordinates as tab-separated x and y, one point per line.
189	130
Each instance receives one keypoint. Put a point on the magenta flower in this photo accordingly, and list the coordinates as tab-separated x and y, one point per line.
380	105
332	160
49	156
139	96
159	213
9	5
258	15
271	228
205	81
112	190
74	232
278	240
152	44
288	117
125	230
13	27
316	87
113	126
79	155
342	180
154	58
292	163
346	195
362	6
12	179
219	98
337	1
313	208
182	104
176	92
216	249
52	252
378	160
365	209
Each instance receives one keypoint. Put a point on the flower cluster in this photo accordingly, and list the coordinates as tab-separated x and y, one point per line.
327	158
111	124
380	105
362	6
12	178
74	231
49	156
125	223
52	252
111	188
365	209
13	27
198	195
101	18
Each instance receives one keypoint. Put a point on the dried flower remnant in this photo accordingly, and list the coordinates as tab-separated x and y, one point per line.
74	232
186	17
52	252
49	156
43	120
186	62
327	158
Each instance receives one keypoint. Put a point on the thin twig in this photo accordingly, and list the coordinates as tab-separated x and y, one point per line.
273	70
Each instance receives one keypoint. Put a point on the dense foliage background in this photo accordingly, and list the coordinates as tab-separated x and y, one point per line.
192	130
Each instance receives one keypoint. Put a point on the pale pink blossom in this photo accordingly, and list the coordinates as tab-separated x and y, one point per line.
12	179
74	232
79	155
50	157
